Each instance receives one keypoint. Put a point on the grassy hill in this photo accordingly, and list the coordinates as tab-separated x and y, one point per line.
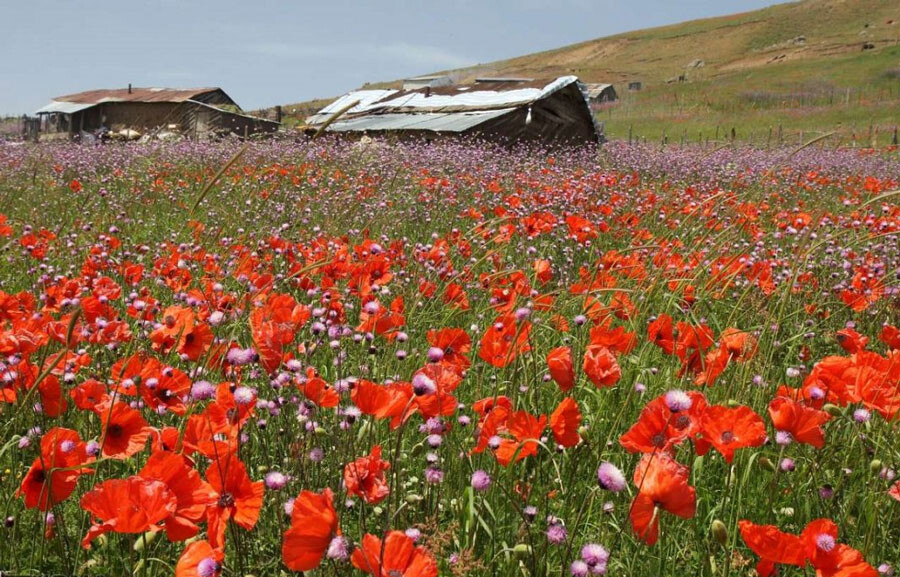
798	69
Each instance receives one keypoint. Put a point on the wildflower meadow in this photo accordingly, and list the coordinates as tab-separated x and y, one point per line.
411	360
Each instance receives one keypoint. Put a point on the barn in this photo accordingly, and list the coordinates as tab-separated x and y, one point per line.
598	93
192	112
500	110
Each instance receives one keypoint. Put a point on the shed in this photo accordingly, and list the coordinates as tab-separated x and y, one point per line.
193	112
553	111
423	81
598	93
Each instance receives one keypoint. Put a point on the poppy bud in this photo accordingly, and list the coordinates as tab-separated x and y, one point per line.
833	410
412	498
320	430
522	550
144	540
765	463
876	465
719	532
732	404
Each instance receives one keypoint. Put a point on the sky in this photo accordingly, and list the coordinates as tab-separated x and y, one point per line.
268	52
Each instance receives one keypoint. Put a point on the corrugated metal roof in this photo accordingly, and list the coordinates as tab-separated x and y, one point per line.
442	99
63	107
135	95
595	90
430	121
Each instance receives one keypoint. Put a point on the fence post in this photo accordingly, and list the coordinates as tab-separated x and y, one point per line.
894	139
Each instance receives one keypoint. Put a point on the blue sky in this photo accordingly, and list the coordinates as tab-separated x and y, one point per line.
268	52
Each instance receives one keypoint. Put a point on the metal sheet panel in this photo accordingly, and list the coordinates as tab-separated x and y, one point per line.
64	107
429	121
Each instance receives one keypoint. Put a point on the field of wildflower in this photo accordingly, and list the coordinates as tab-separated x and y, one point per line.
414	360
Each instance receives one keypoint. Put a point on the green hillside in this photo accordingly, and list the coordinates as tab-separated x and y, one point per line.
799	69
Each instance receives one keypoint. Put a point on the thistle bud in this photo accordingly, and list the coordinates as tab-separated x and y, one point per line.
522	550
144	540
833	410
719	532
765	463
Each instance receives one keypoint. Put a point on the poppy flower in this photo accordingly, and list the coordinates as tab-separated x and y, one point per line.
851	341
661	333
192	494
802	422
895	491
318	391
236	498
562	371
772	546
729	429
383	401
53	475
199	559
125	431
133	505
830	558
662	485
523	431
601	366
617	340
89	395
182	332
314	524
890	335
364	477
455	343
397	556
504	340
660	428
564	423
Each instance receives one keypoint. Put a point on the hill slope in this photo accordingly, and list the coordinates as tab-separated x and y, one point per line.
801	66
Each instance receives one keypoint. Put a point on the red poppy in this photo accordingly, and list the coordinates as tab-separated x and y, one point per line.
658	428
236	497
851	341
601	366
564	423
314	524
398	556
729	429
617	340
200	559
890	335
125	431
895	491
53	475
455	343
274	326
772	546
523	433
318	391
504	340
802	422
180	331
364	477
192	494
89	395
562	371
383	401
661	333
662	485
133	505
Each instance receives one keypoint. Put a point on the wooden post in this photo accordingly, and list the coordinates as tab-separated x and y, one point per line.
769	139
894	139
629	133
